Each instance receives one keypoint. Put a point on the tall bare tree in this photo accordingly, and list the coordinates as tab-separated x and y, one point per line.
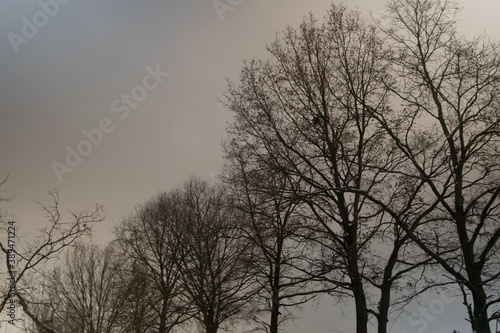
150	237
447	127
309	112
273	225
214	263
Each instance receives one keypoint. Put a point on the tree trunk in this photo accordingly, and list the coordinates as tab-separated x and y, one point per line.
210	324
361	308
212	329
359	294
385	302
385	289
350	238
163	319
275	307
474	269
275	311
481	322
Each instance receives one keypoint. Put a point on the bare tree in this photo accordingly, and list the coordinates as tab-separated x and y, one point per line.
447	128
309	112
150	237
86	293
139	313
271	223
216	276
31	258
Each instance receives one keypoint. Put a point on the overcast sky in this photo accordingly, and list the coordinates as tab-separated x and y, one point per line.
66	75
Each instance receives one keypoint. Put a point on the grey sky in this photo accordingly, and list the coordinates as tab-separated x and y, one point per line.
66	77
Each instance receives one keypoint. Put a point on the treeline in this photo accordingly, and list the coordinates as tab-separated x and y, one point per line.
362	163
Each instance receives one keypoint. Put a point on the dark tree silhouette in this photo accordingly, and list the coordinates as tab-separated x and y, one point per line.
32	257
447	127
86	291
149	237
270	221
308	113
214	267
